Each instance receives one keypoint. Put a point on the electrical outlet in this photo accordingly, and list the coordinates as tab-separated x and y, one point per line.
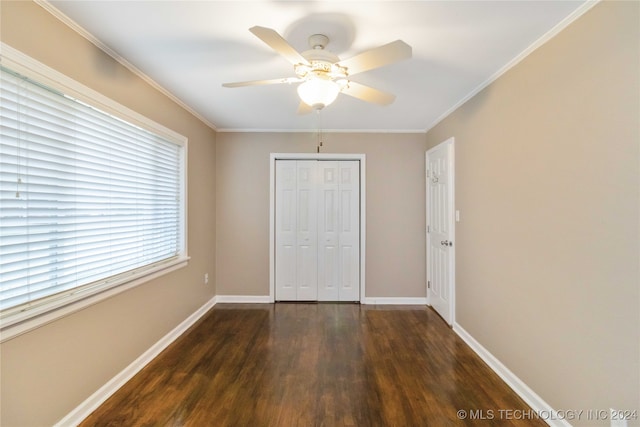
206	278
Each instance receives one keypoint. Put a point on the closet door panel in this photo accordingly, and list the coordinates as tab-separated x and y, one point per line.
307	231
286	226
349	235
328	231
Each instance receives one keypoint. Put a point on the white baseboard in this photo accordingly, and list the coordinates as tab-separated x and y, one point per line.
246	299
261	299
83	410
547	413
395	301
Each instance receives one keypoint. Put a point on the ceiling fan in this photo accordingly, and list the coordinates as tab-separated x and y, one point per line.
322	75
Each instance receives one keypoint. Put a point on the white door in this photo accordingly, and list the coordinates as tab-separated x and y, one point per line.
286	231
307	234
338	231
440	229
317	232
349	262
296	231
328	231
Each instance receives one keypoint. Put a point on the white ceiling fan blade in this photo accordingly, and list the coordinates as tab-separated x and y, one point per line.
263	82
377	57
303	109
279	44
368	94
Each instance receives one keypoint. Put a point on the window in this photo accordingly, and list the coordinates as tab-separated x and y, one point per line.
88	200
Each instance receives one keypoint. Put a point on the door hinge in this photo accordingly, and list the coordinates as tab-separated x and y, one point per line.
428	173
428	229
428	284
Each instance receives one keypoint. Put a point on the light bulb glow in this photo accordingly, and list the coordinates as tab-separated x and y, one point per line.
318	92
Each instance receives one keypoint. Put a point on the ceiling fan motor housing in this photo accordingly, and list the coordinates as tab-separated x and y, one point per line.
322	64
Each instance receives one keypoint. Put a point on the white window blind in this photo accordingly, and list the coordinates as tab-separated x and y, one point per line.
85	198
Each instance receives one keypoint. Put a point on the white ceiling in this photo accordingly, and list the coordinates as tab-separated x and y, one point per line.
191	47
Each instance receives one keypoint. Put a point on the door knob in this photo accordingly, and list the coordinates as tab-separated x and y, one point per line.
446	243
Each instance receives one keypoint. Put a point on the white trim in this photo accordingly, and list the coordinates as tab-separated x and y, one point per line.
450	145
363	225
82	411
581	10
395	301
530	397
266	130
244	299
272	227
363	203
36	317
113	54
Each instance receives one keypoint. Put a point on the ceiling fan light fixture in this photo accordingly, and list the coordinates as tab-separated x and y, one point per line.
321	73
318	92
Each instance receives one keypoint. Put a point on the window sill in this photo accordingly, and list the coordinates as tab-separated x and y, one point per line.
18	323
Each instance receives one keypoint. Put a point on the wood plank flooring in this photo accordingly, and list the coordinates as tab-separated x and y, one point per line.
315	365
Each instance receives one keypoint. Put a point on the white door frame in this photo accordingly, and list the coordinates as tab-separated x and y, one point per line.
272	196
450	144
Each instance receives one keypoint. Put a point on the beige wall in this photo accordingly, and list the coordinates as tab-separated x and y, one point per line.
395	193
48	372
547	184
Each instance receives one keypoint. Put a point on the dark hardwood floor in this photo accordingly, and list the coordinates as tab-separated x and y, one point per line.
315	365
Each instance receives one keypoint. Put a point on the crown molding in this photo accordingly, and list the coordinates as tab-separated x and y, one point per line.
313	131
106	49
585	7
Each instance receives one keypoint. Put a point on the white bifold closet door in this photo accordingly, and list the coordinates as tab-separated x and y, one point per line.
317	230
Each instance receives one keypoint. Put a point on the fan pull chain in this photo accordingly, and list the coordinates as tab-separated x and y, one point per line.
319	133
